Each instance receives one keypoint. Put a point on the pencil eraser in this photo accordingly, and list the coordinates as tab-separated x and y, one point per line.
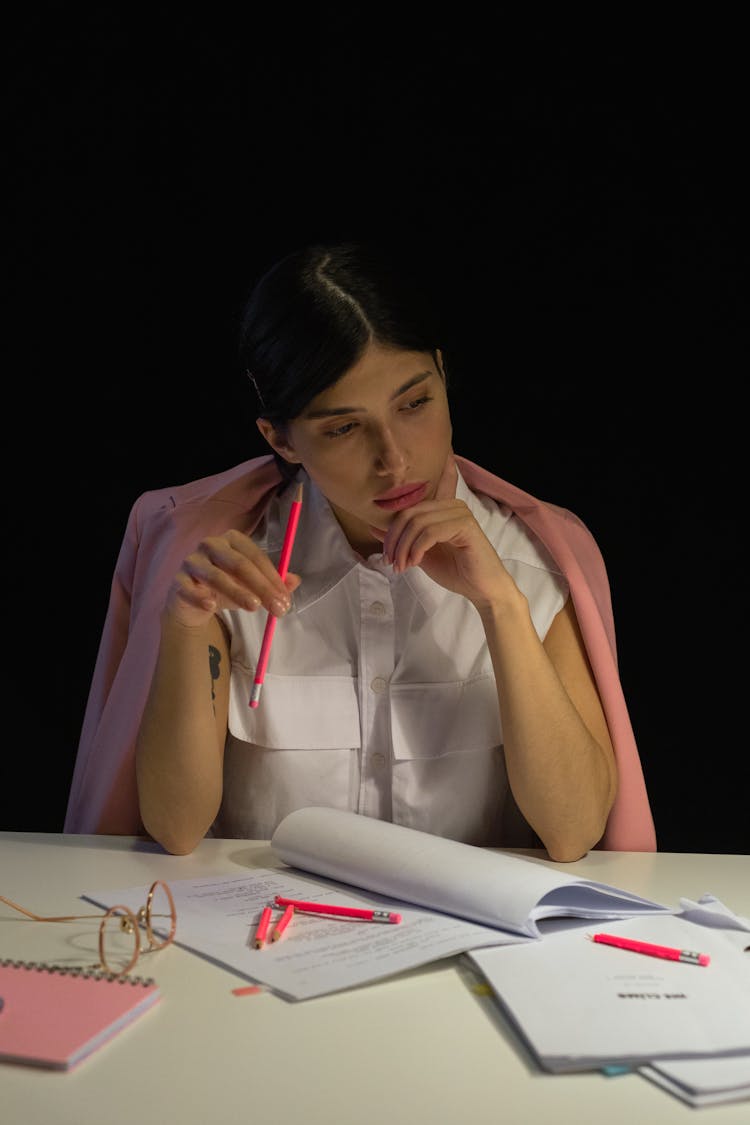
255	694
703	959
394	917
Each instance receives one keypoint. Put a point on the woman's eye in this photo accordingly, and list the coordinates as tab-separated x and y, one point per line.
340	431
348	427
417	402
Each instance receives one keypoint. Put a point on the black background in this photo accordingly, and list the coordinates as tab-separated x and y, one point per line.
573	196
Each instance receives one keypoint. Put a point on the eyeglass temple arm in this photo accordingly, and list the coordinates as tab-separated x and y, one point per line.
45	918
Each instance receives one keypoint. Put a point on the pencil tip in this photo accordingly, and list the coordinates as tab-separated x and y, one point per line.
298	496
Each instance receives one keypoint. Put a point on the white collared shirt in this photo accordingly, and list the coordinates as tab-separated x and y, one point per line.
379	695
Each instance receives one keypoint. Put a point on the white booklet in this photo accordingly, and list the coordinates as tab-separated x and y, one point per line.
580	1005
496	889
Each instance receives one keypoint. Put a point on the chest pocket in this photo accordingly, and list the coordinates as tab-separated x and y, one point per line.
433	720
448	766
296	712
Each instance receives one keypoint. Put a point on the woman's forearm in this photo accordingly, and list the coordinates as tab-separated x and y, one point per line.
562	777
179	750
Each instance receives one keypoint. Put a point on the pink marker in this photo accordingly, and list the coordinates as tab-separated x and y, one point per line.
339	911
286	551
646	947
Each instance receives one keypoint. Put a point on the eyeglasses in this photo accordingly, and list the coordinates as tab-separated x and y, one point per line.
120	929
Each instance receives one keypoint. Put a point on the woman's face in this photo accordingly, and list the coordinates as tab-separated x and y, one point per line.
375	442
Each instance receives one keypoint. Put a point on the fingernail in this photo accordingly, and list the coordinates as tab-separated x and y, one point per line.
280	607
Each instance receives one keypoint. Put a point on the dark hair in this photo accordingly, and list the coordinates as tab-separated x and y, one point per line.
311	316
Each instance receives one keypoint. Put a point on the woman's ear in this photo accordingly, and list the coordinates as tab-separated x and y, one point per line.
278	440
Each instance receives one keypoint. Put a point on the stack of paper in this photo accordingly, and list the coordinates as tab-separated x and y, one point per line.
580	1005
699	1082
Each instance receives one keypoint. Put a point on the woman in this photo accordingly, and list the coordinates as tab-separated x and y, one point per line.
445	653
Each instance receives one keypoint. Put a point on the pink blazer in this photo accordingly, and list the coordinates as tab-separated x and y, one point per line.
164	526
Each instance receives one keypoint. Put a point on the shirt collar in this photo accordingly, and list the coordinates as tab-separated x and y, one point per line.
321	551
327	554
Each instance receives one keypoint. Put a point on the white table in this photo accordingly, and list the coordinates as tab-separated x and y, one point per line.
419	1049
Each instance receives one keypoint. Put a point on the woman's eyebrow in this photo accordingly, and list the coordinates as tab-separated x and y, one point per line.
332	412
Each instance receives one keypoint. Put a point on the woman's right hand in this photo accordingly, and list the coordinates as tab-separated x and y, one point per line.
227	571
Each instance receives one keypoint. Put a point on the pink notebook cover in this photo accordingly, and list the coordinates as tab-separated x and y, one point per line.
55	1018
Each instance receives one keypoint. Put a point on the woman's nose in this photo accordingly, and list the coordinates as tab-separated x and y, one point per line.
390	458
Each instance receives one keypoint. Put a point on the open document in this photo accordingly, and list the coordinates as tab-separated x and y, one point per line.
452	897
498	889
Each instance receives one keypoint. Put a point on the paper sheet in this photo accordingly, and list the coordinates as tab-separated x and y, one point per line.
216	918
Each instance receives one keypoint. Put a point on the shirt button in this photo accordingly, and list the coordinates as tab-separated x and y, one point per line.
377	608
378	761
379	685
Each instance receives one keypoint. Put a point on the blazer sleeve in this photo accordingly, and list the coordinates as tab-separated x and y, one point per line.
96	761
163	527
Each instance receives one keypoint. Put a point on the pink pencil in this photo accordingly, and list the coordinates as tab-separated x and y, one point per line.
339	911
262	931
282	923
286	551
651	950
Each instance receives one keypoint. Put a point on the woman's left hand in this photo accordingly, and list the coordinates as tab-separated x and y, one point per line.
443	538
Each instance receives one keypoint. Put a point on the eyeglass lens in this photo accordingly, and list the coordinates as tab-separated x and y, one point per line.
119	940
160	916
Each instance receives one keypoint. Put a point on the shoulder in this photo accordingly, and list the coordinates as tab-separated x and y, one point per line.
164	522
562	532
521	502
240	487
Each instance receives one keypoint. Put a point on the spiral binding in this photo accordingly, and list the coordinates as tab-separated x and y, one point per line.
73	971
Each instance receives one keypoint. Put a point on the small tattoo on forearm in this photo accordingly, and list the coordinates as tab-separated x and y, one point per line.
214	660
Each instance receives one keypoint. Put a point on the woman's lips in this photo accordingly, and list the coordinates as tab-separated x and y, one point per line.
399	498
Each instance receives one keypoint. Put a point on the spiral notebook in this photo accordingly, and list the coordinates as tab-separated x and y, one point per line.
55	1018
